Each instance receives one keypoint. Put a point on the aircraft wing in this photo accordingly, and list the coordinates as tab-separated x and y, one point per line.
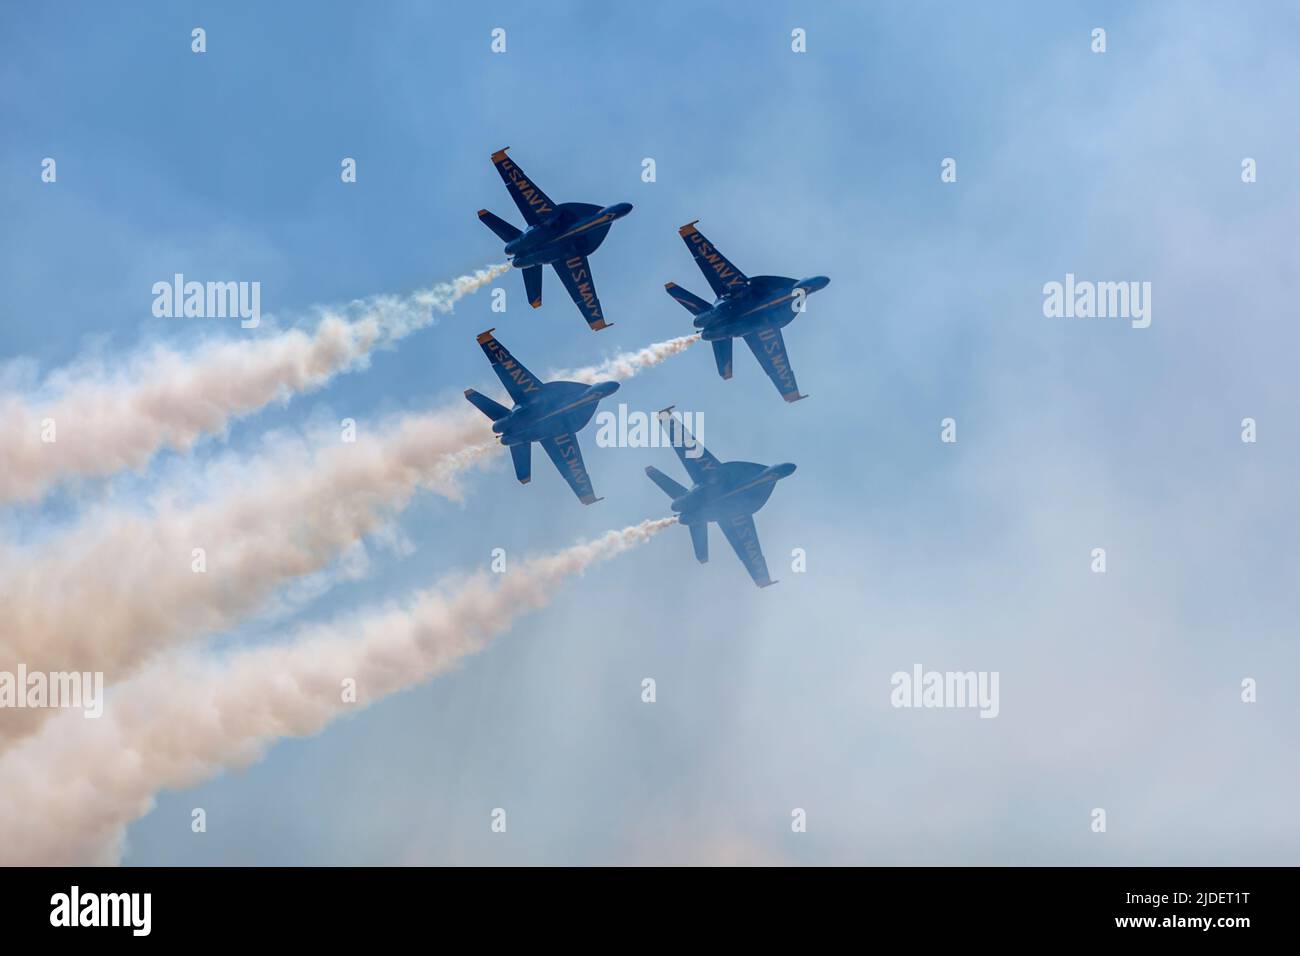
723	277
742	534
696	459
575	273
564	451
528	196
769	348
519	382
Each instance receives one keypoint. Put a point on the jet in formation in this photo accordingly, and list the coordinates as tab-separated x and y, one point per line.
754	308
727	493
561	235
549	413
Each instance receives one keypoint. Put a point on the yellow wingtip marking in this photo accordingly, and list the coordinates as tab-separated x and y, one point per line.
687	229
486	336
500	154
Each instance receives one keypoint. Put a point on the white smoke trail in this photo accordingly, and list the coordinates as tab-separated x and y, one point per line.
118	588
109	420
113	590
626	364
69	793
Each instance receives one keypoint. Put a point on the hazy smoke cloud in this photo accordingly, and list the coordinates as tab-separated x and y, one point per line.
70	791
108	420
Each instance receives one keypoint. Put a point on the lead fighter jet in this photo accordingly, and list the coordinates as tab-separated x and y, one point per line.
754	308
549	413
560	235
724	492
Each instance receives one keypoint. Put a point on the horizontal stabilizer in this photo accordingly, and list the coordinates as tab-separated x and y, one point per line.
722	355
523	458
505	232
533	285
493	410
689	300
700	541
669	487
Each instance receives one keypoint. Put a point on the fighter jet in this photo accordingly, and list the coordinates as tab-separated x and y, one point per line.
549	413
754	308
560	235
724	492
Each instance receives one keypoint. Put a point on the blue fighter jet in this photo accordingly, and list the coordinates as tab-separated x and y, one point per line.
559	234
754	308
549	413
725	492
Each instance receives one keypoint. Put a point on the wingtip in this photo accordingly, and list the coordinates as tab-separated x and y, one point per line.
486	336
536	303
793	397
524	481
666	411
590	499
500	154
769	583
687	229
481	213
670	286
599	324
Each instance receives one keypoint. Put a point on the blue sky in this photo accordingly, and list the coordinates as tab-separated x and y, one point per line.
1118	691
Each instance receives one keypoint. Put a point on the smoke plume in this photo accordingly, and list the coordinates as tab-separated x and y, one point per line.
91	421
70	791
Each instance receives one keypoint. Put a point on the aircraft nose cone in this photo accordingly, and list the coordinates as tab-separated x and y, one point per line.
784	470
605	389
816	283
619	210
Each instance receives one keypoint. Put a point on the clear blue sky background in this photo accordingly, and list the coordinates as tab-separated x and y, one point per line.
1118	691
